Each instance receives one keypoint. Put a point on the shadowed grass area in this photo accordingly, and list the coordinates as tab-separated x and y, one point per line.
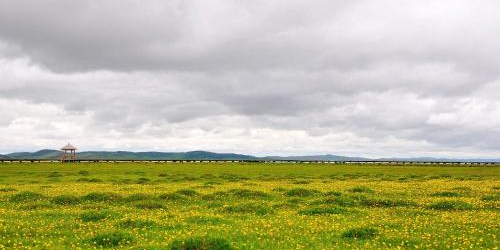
172	197
446	194
27	196
451	205
387	203
492	197
66	200
7	189
249	194
148	204
136	223
201	243
187	192
138	197
360	233
360	189
102	197
302	192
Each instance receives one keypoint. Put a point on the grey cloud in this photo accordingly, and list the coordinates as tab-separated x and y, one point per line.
254	35
422	73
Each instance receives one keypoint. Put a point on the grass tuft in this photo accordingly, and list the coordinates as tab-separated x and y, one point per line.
446	194
248	208
138	197
7	189
143	180
101	197
149	205
204	220
250	194
361	189
323	210
387	203
112	239
360	233
451	205
66	200
492	197
201	243
301	192
129	223
94	216
187	192
27	196
84	172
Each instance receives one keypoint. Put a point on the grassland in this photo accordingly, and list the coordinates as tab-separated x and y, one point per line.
247	206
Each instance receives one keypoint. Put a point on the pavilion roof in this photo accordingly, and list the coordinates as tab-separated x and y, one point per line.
69	147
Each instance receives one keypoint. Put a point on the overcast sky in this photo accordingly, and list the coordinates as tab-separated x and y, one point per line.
367	78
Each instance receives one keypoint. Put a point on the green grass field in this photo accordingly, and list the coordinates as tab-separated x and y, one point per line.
248	206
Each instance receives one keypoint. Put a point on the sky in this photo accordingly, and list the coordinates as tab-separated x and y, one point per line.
377	78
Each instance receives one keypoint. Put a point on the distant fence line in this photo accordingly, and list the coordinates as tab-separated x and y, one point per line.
373	162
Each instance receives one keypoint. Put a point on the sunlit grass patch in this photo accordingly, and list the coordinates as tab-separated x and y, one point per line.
94	216
112	239
404	243
253	213
248	208
204	220
462	189
323	210
201	243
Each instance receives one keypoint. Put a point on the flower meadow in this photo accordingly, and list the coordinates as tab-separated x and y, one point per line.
220	206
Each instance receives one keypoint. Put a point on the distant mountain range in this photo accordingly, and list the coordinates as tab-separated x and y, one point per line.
126	155
204	155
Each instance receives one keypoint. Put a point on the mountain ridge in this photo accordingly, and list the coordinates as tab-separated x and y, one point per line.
206	155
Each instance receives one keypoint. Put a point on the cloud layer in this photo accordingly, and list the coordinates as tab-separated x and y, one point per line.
368	78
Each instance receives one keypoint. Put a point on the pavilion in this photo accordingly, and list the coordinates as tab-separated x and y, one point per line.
69	153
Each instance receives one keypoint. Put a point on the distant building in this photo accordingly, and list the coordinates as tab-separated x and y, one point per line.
69	153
